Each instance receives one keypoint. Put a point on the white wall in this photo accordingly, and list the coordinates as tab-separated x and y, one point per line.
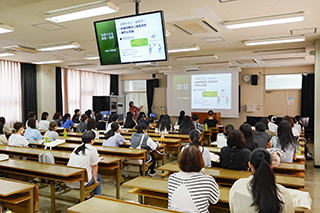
46	89
317	103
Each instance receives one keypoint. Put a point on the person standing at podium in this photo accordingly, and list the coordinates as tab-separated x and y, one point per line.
134	110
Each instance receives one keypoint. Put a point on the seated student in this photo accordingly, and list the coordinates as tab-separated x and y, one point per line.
295	132
180	118
113	137
6	129
260	137
271	123
51	133
44	123
86	156
91	125
66	122
76	116
31	132
222	137
140	140
17	139
164	125
114	118
260	192
195	138
297	125
235	156
286	142
82	126
100	124
248	135
130	122
210	121
186	126
88	113
3	138
197	125
142	119
265	121
32	114
57	118
189	190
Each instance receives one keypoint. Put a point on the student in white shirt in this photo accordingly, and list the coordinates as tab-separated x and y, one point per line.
195	138
260	192
86	156
190	190
44	123
271	125
222	137
32	114
51	133
17	139
6	129
164	125
113	137
114	118
295	132
3	138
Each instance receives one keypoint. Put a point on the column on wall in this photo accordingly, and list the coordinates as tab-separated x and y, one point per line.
317	110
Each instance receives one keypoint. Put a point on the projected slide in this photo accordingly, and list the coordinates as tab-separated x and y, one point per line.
131	39
212	91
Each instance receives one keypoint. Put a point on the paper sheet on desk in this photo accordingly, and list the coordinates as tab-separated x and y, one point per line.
54	143
214	157
301	200
4	157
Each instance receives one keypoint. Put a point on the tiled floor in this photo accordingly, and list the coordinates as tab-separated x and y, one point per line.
108	189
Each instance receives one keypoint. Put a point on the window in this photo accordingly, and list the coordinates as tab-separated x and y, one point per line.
135	90
288	81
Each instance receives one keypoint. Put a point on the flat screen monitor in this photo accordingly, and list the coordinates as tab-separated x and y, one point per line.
132	39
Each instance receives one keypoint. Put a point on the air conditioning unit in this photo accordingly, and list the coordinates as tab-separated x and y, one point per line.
192	68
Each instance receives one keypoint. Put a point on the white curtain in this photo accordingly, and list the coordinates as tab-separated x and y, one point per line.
10	87
81	86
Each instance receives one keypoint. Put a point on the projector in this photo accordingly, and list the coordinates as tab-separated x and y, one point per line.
192	68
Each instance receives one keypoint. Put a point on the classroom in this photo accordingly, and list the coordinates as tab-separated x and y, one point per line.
164	106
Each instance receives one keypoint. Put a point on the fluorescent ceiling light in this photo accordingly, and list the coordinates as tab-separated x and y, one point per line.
48	62
265	20
183	48
5	28
225	63
7	53
58	46
81	11
274	40
91	57
198	57
301	50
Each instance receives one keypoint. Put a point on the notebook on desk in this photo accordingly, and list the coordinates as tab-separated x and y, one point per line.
54	143
4	157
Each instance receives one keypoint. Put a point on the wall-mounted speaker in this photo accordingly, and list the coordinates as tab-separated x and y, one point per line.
254	80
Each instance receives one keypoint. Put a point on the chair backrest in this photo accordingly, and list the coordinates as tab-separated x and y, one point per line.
46	158
305	121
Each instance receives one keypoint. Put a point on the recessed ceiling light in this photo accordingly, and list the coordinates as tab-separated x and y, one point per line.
265	20
81	11
198	57
284	60
186	48
55	61
4	28
274	40
303	31
213	39
58	46
91	57
7	53
21	48
225	1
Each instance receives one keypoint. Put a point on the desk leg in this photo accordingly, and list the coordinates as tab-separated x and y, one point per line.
118	175
143	166
82	189
53	195
30	204
179	150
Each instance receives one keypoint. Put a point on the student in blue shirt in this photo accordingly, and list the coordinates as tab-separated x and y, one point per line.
32	133
66	122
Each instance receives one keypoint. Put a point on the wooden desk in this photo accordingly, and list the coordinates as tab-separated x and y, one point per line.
106	165
47	171
100	204
19	196
228	177
155	192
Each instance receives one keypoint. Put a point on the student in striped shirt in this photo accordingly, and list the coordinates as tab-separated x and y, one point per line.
189	190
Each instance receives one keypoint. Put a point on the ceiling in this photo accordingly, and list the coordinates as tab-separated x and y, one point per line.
27	17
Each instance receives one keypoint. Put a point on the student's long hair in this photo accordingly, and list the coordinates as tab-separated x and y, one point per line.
141	115
87	137
44	115
181	116
194	136
229	127
65	117
1	128
285	136
186	125
248	135
91	124
129	121
113	118
141	127
111	132
160	118
165	123
263	186
56	115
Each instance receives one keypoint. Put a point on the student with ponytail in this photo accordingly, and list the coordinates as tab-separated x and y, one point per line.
259	193
113	137
195	138
86	156
66	122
